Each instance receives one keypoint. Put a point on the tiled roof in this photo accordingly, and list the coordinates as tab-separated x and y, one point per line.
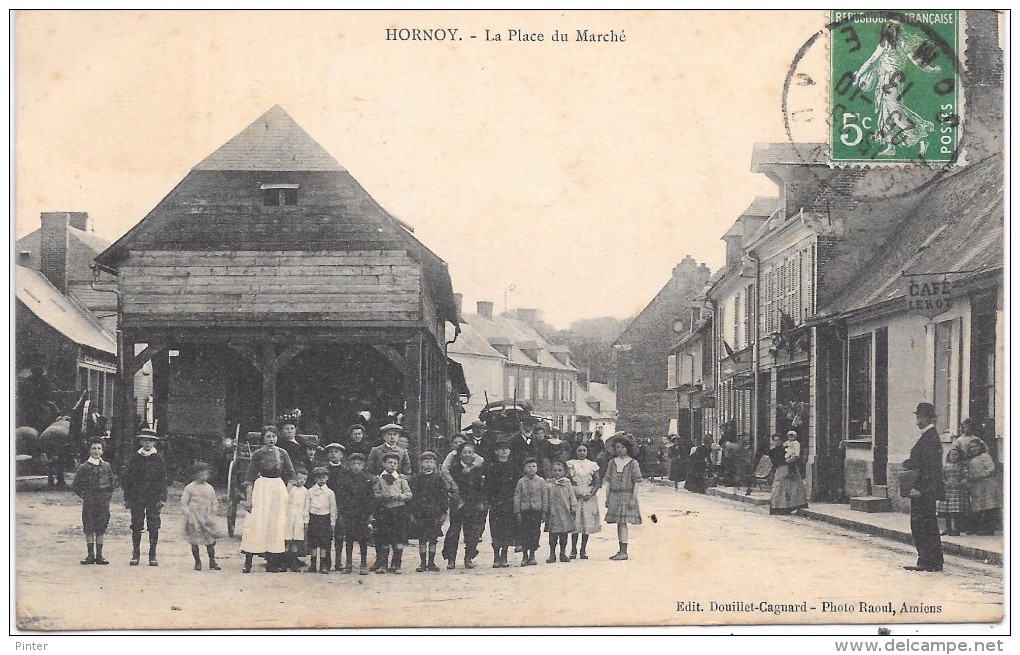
762	206
51	307
274	142
597	393
789	154
469	342
957	227
517	332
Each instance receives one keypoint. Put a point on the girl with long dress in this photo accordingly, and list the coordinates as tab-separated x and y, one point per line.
562	510
623	474
788	491
199	503
269	471
584	476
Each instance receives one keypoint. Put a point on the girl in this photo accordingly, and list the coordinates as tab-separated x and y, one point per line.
269	472
500	483
430	501
562	508
584	476
985	491
297	517
554	449
199	503
622	477
957	500
467	509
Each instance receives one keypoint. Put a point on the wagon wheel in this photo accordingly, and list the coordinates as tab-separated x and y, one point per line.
231	499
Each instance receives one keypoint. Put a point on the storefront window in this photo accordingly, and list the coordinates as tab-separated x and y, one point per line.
982	364
943	373
859	388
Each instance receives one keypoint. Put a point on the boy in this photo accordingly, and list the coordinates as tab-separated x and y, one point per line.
145	486
94	485
390	432
531	505
321	515
314	456
391	493
336	471
430	500
355	498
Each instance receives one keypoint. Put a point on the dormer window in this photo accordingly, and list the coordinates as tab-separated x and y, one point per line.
276	195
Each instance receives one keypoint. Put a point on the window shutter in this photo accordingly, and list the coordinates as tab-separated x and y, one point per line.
671	372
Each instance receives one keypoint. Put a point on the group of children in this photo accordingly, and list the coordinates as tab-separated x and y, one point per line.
322	513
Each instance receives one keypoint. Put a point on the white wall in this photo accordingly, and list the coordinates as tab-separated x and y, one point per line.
484	375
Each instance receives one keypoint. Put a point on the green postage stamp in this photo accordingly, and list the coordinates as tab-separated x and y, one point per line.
894	87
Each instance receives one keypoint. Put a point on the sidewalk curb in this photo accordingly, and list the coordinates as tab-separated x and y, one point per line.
970	552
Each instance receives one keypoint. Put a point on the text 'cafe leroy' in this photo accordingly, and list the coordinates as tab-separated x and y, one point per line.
929	295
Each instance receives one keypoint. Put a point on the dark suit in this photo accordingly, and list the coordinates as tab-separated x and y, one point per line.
485	447
520	450
926	458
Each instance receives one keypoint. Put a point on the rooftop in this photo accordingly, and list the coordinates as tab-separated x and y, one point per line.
50	306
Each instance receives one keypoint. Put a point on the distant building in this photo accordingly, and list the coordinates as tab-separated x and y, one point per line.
62	324
646	405
532	369
595	409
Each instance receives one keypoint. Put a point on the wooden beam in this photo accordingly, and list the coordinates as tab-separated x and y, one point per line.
391	354
288	354
413	390
268	369
248	353
147	354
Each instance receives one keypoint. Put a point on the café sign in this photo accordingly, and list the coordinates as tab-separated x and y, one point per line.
929	295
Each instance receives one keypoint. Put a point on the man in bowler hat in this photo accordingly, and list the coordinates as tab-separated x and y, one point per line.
926	459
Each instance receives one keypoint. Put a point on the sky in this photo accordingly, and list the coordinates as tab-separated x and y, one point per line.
579	174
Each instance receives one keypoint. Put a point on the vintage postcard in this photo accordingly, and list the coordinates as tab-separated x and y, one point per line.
401	319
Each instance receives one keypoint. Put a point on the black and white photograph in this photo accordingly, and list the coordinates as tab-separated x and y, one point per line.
329	321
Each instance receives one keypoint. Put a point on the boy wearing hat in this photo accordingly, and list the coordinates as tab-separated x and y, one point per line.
390	432
430	501
145	491
335	474
321	516
94	483
391	494
355	498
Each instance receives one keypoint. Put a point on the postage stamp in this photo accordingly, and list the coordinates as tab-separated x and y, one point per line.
894	87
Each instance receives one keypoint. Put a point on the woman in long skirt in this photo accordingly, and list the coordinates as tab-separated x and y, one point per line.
622	477
788	491
266	481
584	475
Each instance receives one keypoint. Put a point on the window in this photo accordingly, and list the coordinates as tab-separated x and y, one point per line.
527	388
982	364
859	388
671	370
945	354
274	195
737	337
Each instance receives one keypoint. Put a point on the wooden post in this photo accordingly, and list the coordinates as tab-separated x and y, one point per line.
413	392
268	368
124	410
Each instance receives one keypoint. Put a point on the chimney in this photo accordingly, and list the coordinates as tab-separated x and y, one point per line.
484	309
79	221
458	300
53	248
528	315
